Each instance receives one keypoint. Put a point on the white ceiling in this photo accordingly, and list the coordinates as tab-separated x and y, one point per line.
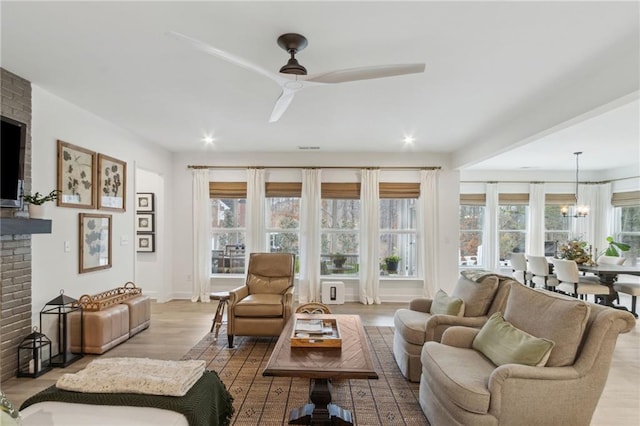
488	65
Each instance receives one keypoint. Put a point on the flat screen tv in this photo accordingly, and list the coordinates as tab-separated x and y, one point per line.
12	156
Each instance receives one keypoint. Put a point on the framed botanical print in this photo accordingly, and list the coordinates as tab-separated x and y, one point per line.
112	183
144	202
144	222
145	243
76	176
95	242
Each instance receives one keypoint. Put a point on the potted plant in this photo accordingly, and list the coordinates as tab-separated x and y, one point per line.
392	263
36	203
616	248
338	259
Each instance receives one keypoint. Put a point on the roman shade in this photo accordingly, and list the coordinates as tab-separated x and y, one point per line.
621	199
227	190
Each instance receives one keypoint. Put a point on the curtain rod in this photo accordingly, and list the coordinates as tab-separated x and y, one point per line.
317	167
551	181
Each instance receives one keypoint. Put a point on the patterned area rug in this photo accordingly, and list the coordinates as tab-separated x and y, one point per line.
258	400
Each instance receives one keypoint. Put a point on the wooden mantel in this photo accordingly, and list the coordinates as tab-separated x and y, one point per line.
19	226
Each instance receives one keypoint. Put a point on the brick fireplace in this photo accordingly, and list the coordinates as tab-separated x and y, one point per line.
15	241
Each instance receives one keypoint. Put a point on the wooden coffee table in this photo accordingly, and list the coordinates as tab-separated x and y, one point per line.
351	361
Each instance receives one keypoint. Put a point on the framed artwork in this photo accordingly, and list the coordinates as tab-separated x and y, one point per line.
76	176
112	183
95	242
145	243
144	222
144	202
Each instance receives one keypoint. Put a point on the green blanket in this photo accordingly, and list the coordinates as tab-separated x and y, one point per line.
208	402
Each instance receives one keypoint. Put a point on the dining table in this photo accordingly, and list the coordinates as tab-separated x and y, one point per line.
608	276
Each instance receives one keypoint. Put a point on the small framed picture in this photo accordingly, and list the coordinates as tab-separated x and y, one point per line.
112	183
145	243
76	176
144	222
95	242
144	202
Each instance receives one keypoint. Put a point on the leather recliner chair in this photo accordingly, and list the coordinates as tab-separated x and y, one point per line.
264	304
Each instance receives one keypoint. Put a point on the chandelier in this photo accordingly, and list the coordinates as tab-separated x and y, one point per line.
580	211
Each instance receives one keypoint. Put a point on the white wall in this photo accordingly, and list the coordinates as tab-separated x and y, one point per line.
152	268
400	290
53	268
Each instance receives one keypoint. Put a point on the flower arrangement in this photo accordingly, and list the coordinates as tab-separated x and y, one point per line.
575	250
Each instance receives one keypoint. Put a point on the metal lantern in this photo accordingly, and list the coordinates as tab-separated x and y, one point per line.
61	318
34	355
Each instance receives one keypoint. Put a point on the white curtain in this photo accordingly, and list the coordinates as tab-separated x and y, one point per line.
490	247
369	237
201	236
428	231
309	278
255	214
535	220
597	226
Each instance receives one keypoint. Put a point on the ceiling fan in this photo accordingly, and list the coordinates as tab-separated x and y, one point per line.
293	76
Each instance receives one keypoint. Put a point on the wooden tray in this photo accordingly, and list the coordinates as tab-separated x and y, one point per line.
316	333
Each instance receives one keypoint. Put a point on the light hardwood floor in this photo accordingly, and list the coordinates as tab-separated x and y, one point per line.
178	325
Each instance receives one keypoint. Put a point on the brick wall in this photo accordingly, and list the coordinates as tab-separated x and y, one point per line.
15	250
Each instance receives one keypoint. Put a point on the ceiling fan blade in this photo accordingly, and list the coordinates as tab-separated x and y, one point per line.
364	73
282	104
229	57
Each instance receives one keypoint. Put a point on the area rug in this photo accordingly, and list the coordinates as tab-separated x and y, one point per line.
258	400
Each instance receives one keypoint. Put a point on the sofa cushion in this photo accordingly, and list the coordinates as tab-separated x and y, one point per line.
412	325
260	305
477	296
461	374
545	315
447	305
260	284
503	343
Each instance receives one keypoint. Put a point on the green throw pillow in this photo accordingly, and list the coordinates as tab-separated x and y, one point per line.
447	305
502	343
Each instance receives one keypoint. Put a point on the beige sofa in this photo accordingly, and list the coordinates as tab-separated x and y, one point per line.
460	386
483	294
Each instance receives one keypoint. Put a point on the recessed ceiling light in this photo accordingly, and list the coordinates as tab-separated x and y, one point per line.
208	139
409	139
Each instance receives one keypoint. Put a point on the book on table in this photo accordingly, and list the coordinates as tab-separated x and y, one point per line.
316	332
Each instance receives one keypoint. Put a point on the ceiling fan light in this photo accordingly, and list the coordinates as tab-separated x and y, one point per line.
293	67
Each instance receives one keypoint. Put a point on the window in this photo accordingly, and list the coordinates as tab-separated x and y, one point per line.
628	228
557	228
340	223
471	225
228	228
627	221
512	226
398	235
340	236
472	207
283	224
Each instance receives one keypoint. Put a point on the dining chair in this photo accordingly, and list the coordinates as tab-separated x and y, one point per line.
519	267
572	283
630	288
540	276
